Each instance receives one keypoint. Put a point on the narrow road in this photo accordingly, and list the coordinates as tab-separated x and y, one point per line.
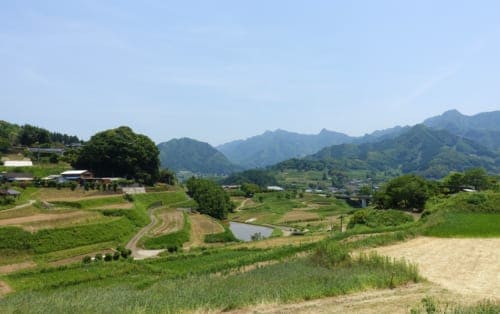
137	252
30	202
242	204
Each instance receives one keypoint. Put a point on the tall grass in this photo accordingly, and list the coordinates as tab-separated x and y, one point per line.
290	281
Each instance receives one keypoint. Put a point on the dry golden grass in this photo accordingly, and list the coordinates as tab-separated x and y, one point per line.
35	222
202	225
51	194
169	221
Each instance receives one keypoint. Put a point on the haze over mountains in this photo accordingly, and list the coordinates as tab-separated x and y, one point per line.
186	154
421	150
465	141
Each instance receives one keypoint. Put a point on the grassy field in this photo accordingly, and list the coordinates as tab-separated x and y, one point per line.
221	276
466	225
191	285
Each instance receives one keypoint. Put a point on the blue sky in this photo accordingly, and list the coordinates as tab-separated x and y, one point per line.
223	70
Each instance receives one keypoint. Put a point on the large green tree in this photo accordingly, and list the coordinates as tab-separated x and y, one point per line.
120	153
211	198
405	192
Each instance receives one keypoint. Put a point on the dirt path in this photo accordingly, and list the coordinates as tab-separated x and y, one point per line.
137	252
30	202
7	269
4	288
466	266
243	204
399	300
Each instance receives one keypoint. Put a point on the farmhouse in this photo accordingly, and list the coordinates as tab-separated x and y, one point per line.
18	163
9	192
75	175
17	176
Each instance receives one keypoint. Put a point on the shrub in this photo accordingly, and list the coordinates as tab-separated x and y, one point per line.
329	254
108	257
98	257
116	255
86	259
379	218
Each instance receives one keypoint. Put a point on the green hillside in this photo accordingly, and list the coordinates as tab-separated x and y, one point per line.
186	154
420	150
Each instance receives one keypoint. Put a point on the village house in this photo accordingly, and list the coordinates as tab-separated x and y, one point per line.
77	175
16	177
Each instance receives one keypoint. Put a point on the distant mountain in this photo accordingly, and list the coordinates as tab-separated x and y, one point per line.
186	154
428	152
274	146
483	128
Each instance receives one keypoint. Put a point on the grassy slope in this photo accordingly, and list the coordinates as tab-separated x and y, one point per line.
464	215
142	286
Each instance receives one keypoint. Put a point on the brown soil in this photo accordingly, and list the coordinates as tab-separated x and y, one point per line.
7	269
44	218
171	221
202	225
117	206
466	266
298	215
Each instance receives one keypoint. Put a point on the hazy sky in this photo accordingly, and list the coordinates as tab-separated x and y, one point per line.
223	70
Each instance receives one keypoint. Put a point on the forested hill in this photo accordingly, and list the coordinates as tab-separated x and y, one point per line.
483	128
274	146
29	135
186	154
421	150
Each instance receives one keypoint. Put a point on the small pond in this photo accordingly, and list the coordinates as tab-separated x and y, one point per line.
244	232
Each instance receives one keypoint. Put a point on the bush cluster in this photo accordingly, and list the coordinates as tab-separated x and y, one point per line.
121	251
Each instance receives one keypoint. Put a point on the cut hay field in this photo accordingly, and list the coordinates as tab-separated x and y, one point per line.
466	266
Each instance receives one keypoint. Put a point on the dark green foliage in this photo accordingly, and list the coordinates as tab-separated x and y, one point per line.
171	241
262	178
167	177
108	257
250	189
120	153
86	259
98	257
405	192
15	238
30	135
198	157
211	198
378	218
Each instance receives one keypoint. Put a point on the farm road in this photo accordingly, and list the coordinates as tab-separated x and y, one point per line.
137	252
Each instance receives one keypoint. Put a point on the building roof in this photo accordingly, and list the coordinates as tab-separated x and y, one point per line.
10	192
18	163
73	172
10	175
